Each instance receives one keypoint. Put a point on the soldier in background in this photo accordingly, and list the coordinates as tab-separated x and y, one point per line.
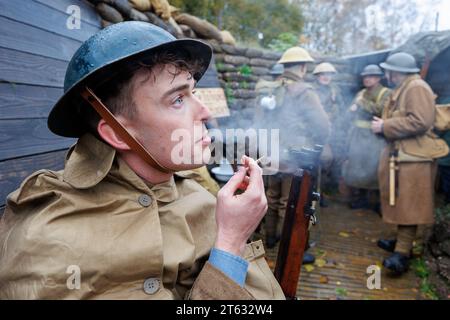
333	103
302	122
407	165
364	147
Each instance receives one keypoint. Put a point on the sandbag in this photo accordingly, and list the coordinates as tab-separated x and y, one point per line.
123	6
108	13
175	25
161	23
138	16
228	38
187	31
161	8
174	11
105	23
141	5
201	27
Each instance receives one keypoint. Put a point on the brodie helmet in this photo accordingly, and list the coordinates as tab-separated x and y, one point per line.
372	70
401	62
324	68
295	55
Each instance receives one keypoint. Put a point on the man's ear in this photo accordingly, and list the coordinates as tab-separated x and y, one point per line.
110	136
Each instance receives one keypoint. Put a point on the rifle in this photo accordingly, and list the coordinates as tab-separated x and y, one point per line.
299	212
425	67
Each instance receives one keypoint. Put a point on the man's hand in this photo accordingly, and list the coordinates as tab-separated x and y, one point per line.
237	216
377	125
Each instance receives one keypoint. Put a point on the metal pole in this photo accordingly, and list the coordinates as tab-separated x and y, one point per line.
437	22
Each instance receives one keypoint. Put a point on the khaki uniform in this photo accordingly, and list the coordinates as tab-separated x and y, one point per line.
302	123
203	177
128	239
364	147
408	120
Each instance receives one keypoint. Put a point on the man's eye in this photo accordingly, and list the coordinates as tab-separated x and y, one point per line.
178	101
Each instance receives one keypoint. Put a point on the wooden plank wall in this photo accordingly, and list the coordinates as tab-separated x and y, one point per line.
35	48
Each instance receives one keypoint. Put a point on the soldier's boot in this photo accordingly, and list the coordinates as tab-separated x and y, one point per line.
388	245
397	263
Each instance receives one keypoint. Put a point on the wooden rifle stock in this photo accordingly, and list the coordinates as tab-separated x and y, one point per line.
425	67
295	233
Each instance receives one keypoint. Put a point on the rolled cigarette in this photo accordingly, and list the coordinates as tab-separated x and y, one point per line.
260	159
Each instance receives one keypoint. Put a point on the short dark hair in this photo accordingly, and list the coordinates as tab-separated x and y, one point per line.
117	92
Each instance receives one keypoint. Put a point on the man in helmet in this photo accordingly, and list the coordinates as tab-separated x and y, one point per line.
364	148
301	120
119	222
333	103
407	165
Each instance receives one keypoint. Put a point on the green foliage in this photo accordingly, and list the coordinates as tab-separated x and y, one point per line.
341	292
420	268
245	19
443	213
245	70
229	93
219	66
283	42
422	271
244	85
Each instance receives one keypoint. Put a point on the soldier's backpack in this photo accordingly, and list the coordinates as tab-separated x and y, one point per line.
270	94
442	122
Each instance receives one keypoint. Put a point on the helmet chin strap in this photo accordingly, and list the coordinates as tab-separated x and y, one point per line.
112	121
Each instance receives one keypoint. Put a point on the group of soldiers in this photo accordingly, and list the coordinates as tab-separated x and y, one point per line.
123	220
382	145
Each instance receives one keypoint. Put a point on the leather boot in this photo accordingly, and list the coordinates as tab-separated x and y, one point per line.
397	263
388	245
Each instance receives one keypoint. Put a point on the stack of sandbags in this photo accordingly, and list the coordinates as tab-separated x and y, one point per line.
162	14
239	70
158	12
201	27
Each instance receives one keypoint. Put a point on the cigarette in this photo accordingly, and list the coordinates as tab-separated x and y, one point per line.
260	159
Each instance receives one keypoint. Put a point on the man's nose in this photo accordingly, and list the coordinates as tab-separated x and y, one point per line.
202	111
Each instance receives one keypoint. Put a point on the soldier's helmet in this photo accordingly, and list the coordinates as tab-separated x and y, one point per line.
372	70
277	70
324	67
116	49
401	62
295	55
